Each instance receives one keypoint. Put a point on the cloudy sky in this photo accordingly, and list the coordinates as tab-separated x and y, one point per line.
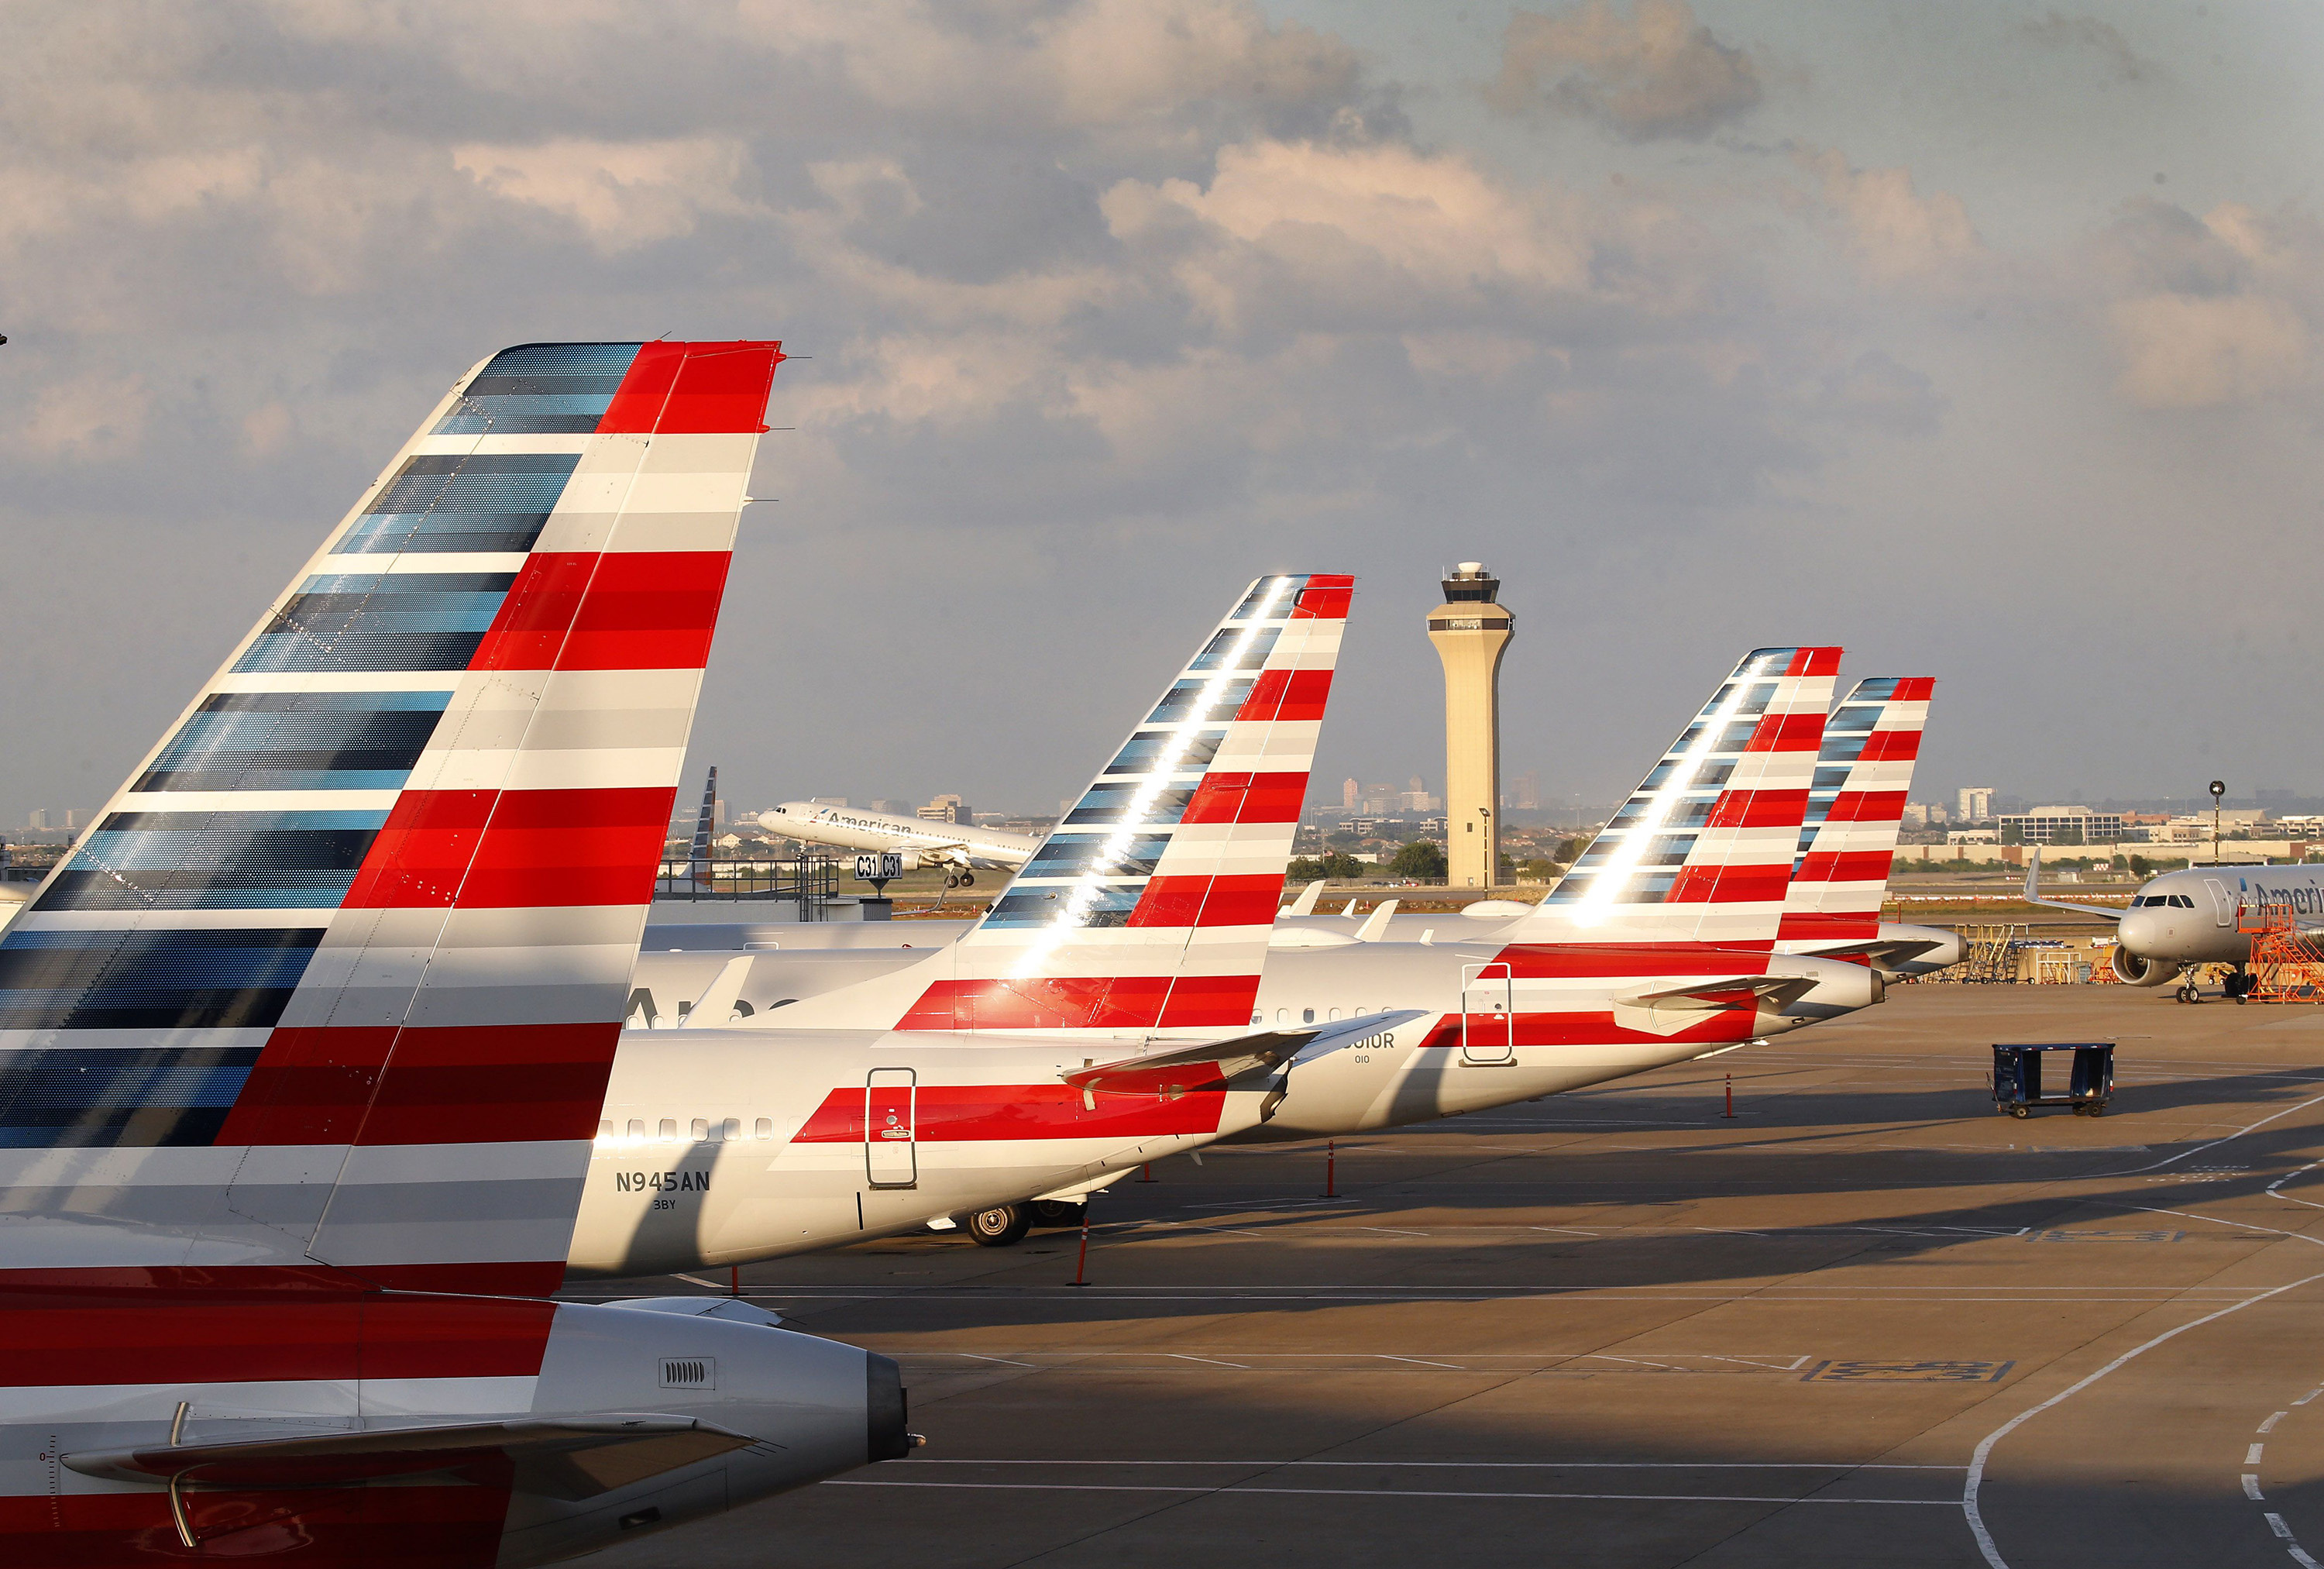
1983	339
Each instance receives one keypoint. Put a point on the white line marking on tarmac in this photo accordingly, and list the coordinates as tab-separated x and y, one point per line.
1504	1464
2197	1150
2251	1455
981	1357
1182	1356
1373	1492
1975	1480
2275	1523
2300	1558
2311	1394
2269	1426
1423	1361
2251	1487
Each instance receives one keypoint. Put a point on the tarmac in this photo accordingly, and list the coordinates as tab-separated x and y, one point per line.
1866	1319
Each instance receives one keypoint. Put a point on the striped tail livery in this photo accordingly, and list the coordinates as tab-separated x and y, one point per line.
309	1033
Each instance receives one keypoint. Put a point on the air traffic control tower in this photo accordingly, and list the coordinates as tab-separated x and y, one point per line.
1470	631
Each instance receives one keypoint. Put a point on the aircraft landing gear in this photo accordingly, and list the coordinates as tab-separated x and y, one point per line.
1002	1226
968	879
952	880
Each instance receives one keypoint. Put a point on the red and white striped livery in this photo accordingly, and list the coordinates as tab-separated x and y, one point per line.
1100	1015
302	1048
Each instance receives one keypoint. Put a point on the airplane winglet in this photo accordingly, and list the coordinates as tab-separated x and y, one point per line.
1707	996
1305	904
716	1004
2033	892
1376	929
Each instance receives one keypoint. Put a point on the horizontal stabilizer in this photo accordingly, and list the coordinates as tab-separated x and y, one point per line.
1706	996
1258	1053
570	1458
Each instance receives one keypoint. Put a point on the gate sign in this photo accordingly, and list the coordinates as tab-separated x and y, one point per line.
879	866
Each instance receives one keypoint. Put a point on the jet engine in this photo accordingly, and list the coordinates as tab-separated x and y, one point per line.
2134	971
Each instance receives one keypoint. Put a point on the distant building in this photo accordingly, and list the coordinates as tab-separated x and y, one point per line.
1975	803
2067	826
1916	816
40	819
1528	785
949	809
1351	795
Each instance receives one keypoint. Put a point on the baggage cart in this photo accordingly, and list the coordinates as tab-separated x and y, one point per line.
2087	1075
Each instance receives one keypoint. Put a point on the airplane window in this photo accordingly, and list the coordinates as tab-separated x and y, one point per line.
637	1128
701	1130
732	1128
1254	1016
1283	1016
669	1130
1306	1016
764	1128
604	1131
1335	1013
2183	902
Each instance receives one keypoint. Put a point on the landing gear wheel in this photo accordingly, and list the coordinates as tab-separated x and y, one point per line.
952	880
968	879
1001	1227
2020	1113
1055	1212
2186	993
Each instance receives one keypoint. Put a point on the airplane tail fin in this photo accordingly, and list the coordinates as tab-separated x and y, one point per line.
1149	905
1701	854
336	978
1855	809
705	824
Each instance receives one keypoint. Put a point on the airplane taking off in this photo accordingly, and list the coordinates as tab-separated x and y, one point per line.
958	847
2181	920
1098	1016
301	1047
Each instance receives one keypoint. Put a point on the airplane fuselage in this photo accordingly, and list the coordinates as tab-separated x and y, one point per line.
2193	916
923	843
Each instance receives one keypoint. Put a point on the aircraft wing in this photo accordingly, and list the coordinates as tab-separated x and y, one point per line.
2033	892
1260	1052
1881	951
1707	996
569	1458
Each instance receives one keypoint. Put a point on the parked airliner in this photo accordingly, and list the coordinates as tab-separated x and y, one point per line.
1655	950
301	1047
2181	920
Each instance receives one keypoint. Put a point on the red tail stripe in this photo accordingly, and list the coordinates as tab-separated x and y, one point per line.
1787	732
694	388
1915	688
1208	901
446	1085
1866	806
1210	1002
1848	866
644	610
1077	1003
1759	809
1891	747
514	850
1730	885
1815	662
1822	927
1323	599
1248	797
214	1338
1286	695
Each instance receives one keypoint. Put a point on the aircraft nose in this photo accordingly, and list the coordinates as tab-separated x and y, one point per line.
2138	932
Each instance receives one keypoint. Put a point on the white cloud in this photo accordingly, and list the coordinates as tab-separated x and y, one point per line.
2211	310
1656	73
623	194
88	418
1893	231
